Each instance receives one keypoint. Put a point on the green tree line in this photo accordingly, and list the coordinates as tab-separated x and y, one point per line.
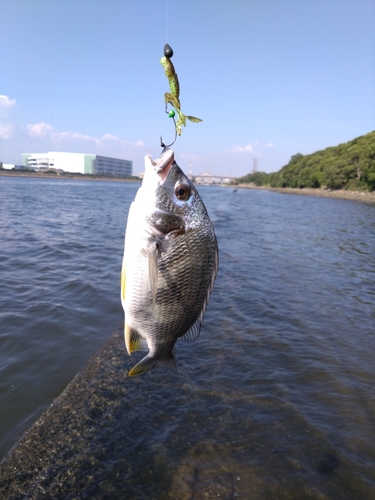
346	166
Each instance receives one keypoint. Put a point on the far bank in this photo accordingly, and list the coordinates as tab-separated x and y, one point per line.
364	196
67	176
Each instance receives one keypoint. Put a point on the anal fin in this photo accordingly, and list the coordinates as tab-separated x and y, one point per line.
133	341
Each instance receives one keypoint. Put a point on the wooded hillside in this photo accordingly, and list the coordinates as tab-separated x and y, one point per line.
347	166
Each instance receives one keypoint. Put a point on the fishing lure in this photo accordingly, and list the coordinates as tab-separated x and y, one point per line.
173	97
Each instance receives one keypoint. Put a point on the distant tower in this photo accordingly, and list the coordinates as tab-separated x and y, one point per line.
190	174
255	165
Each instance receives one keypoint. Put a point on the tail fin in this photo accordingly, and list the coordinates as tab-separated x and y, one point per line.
149	362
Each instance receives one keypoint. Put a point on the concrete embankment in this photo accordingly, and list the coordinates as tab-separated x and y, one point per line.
364	196
71	450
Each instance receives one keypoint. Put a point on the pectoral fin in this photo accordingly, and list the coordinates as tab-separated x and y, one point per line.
152	253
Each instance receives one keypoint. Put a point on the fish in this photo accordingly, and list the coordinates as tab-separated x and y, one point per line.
173	97
169	266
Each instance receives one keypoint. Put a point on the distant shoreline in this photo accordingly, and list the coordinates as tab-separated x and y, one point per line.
363	196
68	176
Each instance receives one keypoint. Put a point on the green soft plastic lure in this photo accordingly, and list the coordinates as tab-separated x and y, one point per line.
173	97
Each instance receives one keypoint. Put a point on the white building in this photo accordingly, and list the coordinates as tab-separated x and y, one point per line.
78	163
9	166
207	179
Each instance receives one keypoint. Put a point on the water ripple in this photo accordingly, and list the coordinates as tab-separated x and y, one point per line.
277	391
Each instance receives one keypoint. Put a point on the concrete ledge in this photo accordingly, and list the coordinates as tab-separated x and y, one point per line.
70	451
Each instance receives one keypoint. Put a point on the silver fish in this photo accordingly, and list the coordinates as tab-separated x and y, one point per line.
170	264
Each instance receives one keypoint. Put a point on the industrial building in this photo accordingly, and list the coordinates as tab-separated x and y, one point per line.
78	163
10	166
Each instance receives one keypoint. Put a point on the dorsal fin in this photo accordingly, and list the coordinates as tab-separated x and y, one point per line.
194	331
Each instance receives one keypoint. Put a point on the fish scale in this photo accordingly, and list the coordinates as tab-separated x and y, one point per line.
170	263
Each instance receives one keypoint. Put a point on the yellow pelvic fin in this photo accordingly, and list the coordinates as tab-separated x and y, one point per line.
127	335
123	282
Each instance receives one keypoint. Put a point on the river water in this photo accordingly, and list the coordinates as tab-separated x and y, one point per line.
275	399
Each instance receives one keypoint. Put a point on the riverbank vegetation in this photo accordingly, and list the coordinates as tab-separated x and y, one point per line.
349	166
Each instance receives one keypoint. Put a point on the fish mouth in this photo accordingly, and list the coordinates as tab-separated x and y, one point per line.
163	164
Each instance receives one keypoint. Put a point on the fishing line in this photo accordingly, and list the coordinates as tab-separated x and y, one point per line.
166	21
171	113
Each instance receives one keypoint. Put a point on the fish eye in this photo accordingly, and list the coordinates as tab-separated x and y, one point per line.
182	191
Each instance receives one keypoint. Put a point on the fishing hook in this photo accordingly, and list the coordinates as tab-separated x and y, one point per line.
171	114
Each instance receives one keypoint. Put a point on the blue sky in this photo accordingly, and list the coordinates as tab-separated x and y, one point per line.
269	78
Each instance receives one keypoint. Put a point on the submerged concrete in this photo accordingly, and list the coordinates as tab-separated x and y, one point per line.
69	451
